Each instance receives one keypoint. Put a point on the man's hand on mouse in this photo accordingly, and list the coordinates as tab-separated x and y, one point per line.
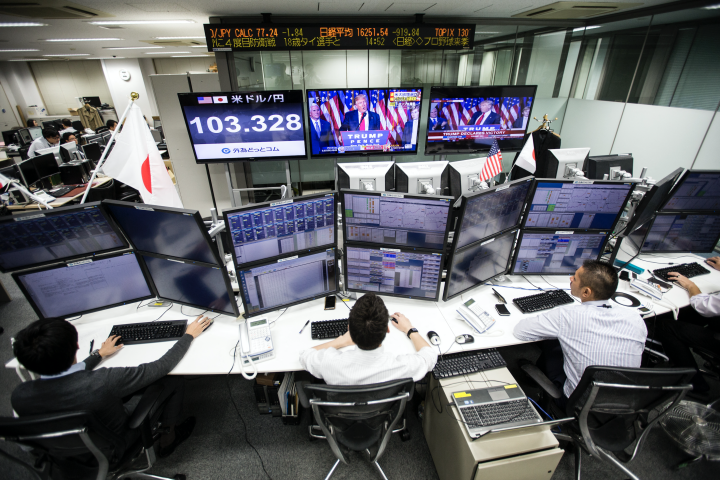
714	262
401	322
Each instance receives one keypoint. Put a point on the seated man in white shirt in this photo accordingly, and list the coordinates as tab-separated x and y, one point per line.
369	363
593	333
50	138
689	330
67	127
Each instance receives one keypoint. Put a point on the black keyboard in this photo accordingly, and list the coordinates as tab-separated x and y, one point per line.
149	332
543	301
467	362
687	269
328	328
59	192
498	413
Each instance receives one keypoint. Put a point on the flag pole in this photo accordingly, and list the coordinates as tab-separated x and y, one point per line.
133	96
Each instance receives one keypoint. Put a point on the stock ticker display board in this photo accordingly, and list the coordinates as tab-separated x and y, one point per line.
270	36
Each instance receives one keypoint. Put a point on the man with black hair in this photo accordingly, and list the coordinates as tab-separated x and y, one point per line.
50	138
67	127
369	363
111	124
592	333
49	348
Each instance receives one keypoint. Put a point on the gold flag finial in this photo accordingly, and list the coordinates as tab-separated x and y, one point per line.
134	96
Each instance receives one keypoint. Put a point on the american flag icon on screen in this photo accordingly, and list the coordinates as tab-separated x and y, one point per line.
493	164
204	99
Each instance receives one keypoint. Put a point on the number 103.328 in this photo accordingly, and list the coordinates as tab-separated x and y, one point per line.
274	123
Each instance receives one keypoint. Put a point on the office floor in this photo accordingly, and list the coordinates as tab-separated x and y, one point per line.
217	448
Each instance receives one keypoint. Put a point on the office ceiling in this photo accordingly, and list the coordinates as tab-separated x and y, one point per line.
200	11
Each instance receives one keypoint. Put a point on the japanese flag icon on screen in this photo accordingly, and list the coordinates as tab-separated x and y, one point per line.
220	99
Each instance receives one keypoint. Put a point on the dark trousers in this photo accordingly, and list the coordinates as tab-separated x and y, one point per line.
172	397
551	363
689	331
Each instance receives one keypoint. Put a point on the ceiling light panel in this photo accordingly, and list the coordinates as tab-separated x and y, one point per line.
140	22
129	48
68	55
20	50
82	39
26	24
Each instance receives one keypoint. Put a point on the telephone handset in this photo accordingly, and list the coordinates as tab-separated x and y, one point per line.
255	344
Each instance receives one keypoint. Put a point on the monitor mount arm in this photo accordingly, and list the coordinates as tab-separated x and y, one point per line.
644	184
425	186
475	184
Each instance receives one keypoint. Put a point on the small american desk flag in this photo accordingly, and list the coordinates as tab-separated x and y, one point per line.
493	164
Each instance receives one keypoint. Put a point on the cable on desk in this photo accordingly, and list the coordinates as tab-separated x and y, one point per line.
283	313
508	286
541	409
166	310
538	288
192	315
232	399
343	301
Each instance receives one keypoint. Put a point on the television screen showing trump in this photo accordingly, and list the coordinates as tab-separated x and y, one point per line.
364	121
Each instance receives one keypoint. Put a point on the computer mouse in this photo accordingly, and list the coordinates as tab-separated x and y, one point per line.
465	338
433	337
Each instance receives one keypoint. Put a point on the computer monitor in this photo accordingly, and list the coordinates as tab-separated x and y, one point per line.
172	232
387	218
466	120
67	152
371	176
596	167
288	281
29	173
566	161
45	164
566	204
696	190
465	176
156	123
263	231
491	211
192	284
93	101
397	272
54	150
66	290
430	178
35	132
651	201
556	253
93	139
92	151
48	124
10	137
478	263
106	137
695	232
366	122
50	236
25	136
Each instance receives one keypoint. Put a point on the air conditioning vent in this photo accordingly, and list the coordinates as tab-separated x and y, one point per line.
80	11
575	10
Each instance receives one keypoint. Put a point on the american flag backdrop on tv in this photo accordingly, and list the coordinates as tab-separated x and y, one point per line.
457	114
493	164
397	116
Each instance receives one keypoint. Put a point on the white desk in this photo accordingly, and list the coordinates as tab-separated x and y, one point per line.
211	353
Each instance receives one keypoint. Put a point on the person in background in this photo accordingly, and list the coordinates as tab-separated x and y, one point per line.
32	123
50	138
409	133
111	124
522	121
67	124
698	325
435	122
369	363
68	137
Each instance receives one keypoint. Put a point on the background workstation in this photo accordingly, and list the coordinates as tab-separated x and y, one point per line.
575	67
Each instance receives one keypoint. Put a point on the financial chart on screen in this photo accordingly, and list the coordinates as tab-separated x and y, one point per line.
552	253
576	205
683	233
389	218
393	272
282	227
46	238
486	214
696	191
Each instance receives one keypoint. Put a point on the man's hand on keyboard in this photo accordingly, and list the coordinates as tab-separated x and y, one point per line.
108	347
714	262
684	282
198	326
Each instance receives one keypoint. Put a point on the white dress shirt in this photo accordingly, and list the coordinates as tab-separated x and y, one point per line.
353	366
589	334
69	129
706	304
38	144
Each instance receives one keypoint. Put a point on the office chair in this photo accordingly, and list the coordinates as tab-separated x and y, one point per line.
612	406
101	130
77	445
102	192
357	418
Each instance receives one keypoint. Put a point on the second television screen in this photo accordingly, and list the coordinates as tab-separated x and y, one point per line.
365	121
469	119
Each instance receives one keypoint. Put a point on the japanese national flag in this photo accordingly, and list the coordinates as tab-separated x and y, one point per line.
136	161
4	181
526	157
220	99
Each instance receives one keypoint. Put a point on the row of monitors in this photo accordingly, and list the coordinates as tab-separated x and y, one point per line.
236	126
697	232
105	281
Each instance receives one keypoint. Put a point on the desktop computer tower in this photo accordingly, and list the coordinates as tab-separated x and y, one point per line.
73	174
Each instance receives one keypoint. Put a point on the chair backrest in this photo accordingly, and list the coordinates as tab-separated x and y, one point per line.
103	192
359	416
609	400
67	438
77	125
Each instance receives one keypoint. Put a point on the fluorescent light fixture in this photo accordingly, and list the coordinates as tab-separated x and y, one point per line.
102	58
199	46
68	55
163	53
24	24
20	50
580	29
712	7
177	38
139	22
28	60
129	48
193	56
81	39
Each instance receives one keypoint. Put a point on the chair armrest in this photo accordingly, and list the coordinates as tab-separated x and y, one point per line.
301	392
147	402
542	381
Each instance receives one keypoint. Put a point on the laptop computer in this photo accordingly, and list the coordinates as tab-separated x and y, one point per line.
485	409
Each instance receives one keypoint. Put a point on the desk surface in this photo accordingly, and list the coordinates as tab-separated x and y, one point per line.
211	353
61	201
